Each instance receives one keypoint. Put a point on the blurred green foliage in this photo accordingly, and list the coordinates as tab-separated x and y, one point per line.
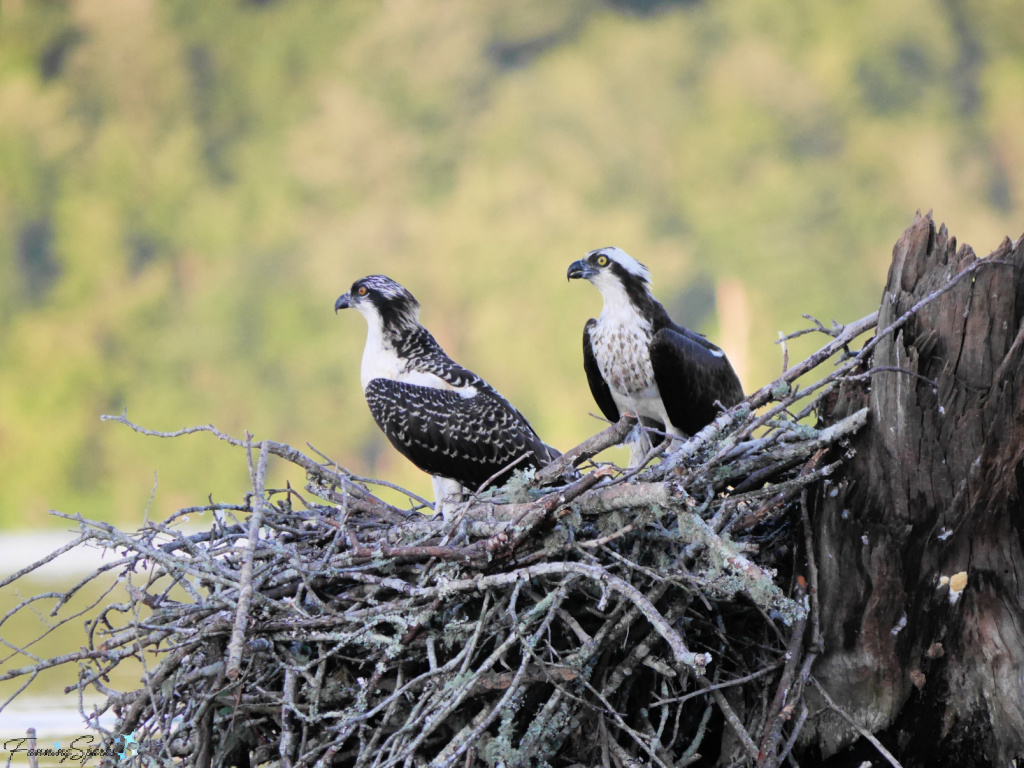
186	187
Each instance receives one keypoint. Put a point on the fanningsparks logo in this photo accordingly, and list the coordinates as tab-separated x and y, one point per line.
81	750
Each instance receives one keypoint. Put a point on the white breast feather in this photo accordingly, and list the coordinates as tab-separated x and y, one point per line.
379	358
621	341
623	355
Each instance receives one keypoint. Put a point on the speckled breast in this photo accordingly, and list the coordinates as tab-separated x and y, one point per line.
623	355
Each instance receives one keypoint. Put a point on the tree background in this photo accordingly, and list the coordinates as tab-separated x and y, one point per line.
185	188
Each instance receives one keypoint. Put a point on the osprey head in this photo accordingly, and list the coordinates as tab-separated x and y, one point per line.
378	296
611	269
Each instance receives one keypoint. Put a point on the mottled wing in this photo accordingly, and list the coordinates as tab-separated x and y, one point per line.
468	439
692	374
422	353
598	386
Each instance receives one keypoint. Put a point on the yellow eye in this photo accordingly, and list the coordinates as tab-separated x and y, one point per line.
362	290
602	260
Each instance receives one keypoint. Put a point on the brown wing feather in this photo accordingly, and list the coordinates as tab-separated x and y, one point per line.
691	378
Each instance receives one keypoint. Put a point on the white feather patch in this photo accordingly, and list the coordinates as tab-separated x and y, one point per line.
626	261
379	358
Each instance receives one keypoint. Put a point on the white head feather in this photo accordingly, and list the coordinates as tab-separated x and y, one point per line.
625	261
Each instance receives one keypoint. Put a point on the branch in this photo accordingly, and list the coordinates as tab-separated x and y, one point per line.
245	581
589	448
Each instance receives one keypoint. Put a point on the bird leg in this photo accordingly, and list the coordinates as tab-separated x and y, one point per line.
448	495
639	440
641	443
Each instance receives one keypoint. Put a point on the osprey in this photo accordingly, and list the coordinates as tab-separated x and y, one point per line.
442	417
638	361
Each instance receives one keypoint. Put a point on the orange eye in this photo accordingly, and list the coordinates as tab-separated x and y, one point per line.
362	290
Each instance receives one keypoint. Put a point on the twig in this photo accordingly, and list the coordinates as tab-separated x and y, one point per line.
922	303
892	369
609	437
791	742
73	544
285	452
682	655
372	481
778	712
862	731
785	351
245	580
289	690
731	718
33	761
812	575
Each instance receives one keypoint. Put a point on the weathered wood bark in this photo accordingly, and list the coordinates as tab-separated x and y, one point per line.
935	489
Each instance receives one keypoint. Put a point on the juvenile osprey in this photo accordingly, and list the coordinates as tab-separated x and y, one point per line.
445	419
638	361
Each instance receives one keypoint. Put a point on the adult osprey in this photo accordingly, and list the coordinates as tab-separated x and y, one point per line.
442	417
638	361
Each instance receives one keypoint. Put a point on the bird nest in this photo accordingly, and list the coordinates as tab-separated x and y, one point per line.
642	616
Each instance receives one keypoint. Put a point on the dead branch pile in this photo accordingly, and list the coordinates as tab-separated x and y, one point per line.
648	616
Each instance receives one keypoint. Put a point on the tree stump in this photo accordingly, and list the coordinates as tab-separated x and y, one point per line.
932	664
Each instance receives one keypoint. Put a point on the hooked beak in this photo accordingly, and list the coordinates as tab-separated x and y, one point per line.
343	302
580	269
